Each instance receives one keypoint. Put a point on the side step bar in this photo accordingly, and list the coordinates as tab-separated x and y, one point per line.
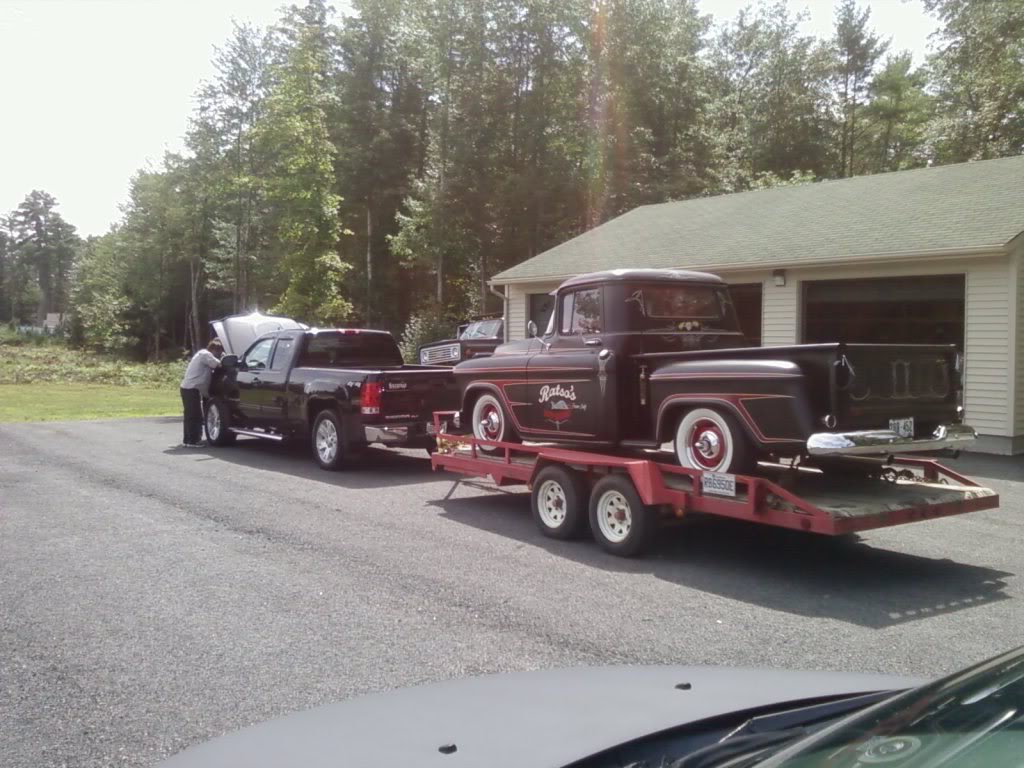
255	433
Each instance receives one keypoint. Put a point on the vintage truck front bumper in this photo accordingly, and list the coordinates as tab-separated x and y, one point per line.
884	441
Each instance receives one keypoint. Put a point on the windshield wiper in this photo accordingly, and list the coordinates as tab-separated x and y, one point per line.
752	746
763	735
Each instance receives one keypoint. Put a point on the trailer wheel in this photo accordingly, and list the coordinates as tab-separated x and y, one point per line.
559	502
328	440
619	520
712	442
490	422
218	423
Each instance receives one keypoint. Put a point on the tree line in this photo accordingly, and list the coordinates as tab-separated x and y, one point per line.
378	168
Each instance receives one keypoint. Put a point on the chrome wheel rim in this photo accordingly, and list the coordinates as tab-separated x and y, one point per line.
213	422
327	441
614	516
706	445
490	424
551	503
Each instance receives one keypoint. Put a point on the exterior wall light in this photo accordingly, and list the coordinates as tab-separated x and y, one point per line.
780	277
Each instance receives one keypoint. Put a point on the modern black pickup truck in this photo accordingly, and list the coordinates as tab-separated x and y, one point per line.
341	389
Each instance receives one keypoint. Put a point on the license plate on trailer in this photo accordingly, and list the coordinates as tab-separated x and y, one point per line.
718	483
902	427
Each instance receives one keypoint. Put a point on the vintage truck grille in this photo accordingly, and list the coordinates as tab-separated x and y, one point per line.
900	378
437	355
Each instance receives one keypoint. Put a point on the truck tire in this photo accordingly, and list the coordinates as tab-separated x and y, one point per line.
491	422
559	502
328	440
619	520
712	441
217	422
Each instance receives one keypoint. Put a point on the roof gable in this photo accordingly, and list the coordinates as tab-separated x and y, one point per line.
966	207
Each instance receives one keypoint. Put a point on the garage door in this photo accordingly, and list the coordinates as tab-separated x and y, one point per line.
902	310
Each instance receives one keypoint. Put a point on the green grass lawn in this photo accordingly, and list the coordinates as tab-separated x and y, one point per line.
51	382
67	402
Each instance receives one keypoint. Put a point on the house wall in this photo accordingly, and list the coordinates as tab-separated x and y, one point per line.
1017	340
993	347
993	351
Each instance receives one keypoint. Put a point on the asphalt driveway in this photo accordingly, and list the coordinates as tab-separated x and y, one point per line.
152	597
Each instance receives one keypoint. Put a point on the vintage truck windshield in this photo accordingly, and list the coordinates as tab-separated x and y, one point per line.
336	350
681	308
483	329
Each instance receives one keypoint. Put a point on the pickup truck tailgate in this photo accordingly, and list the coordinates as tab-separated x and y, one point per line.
414	393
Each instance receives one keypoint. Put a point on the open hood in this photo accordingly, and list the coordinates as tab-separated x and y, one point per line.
237	332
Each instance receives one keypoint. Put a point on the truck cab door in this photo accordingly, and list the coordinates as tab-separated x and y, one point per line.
255	366
273	392
570	399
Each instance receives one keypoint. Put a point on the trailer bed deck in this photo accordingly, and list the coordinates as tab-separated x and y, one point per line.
845	499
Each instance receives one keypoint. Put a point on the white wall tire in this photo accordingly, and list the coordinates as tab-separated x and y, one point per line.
490	422
710	441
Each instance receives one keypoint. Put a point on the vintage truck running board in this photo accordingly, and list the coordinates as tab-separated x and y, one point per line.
257	433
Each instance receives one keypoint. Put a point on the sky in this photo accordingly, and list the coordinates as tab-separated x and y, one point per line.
94	90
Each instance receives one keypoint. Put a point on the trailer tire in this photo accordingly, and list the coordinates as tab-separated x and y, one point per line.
559	502
490	421
217	423
712	441
328	440
619	520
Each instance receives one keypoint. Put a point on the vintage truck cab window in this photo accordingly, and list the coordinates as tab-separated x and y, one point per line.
687	308
259	354
581	312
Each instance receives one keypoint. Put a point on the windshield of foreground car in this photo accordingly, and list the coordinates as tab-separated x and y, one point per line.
974	718
483	329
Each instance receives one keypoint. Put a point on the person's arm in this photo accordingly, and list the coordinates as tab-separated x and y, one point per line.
210	360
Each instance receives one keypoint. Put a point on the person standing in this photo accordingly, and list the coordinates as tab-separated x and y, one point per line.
194	386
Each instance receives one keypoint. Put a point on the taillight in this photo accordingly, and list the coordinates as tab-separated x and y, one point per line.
370	399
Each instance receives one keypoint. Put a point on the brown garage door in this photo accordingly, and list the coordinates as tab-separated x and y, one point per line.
902	310
746	297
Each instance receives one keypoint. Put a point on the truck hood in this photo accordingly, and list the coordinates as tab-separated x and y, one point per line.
528	719
237	332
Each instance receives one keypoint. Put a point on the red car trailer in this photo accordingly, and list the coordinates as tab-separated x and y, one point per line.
625	497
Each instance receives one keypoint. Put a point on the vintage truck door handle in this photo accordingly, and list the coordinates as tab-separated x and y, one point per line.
593	343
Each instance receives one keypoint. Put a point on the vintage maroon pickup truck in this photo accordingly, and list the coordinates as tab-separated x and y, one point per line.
642	358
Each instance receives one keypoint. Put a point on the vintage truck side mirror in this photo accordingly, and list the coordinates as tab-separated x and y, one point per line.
531	328
229	361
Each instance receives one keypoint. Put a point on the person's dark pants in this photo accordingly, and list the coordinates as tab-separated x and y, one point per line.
193	422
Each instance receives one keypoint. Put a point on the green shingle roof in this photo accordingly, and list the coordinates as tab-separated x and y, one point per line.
967	207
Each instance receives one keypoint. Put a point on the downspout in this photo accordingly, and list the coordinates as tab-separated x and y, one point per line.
504	308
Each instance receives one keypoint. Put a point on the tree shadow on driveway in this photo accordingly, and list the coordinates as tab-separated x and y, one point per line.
376	468
782	570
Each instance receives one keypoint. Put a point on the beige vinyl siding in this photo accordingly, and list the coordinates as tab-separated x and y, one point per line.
780	312
1017	334
989	357
516	309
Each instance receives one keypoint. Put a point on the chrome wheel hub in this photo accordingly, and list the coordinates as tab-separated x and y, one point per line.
327	441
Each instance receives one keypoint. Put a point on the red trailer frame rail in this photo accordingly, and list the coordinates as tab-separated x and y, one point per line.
830	503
